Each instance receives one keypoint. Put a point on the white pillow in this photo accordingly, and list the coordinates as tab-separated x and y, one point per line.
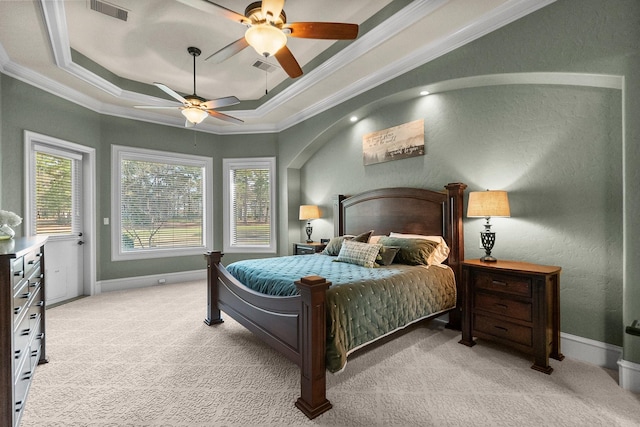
439	255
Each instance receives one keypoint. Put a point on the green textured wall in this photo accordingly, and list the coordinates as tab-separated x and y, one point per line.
144	135
568	155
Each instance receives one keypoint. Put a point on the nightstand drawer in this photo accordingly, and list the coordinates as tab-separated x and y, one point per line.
308	248
508	284
503	306
504	330
305	250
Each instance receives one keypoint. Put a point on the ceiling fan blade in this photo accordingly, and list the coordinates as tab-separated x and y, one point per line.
228	51
323	30
173	93
273	8
156	107
225	117
211	7
288	62
220	102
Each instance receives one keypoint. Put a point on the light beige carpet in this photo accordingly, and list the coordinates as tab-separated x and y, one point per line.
145	358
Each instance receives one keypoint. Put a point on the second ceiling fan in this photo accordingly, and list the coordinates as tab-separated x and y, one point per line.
268	30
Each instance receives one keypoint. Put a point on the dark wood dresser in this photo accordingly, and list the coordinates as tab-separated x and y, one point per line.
516	304
22	329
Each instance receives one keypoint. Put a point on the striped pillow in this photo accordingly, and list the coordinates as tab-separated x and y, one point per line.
358	253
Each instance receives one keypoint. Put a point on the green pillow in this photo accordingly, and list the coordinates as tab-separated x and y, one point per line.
334	245
386	255
359	253
412	251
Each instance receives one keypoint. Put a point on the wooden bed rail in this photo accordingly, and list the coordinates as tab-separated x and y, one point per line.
304	317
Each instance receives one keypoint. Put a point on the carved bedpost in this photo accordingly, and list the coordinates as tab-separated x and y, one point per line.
313	400
213	312
455	210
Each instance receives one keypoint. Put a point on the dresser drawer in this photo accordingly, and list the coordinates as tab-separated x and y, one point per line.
31	261
515	285
20	300
503	306
17	271
34	277
505	330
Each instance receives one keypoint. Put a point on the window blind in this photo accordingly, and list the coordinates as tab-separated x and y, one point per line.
161	205
250	206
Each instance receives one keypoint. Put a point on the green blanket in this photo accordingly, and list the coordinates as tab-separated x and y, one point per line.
363	304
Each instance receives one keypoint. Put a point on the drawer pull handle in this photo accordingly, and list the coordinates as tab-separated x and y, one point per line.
40	303
40	336
499	283
17	273
18	353
26	295
27	375
31	261
19	406
17	310
33	316
25	332
502	328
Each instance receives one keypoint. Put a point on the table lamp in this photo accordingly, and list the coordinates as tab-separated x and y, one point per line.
485	204
307	213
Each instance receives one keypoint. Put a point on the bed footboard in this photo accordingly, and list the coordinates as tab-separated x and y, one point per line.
295	326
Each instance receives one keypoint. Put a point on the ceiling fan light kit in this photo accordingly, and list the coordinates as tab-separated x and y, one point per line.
194	114
195	108
265	39
268	30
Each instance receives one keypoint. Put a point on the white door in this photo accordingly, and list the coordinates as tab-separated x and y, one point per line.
55	175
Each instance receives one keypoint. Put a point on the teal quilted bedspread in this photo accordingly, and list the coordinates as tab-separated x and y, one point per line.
363	304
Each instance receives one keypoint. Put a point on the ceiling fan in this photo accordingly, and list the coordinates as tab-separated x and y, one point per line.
195	108
268	30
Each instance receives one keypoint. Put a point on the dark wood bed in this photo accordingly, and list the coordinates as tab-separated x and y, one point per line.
296	325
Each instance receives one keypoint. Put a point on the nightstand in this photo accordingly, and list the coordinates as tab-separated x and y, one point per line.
515	304
308	248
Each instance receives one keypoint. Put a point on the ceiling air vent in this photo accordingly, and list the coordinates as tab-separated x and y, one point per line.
109	10
265	66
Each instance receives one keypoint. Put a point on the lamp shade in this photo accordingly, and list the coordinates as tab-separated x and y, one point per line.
490	203
194	115
265	39
308	212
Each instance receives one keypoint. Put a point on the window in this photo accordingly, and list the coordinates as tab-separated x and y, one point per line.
161	204
249	201
56	193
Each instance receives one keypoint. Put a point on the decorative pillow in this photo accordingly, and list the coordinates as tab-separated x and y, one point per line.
386	255
359	253
412	251
441	253
334	245
376	238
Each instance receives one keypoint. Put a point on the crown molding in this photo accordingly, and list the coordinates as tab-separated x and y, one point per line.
55	20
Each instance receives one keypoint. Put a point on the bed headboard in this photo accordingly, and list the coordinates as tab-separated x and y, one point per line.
407	210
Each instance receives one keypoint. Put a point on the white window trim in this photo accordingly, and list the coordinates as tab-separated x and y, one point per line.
118	153
248	163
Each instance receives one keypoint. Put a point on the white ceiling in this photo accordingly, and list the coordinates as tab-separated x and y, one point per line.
37	38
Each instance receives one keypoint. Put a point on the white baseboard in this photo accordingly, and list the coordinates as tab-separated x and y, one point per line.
151	280
629	375
590	351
